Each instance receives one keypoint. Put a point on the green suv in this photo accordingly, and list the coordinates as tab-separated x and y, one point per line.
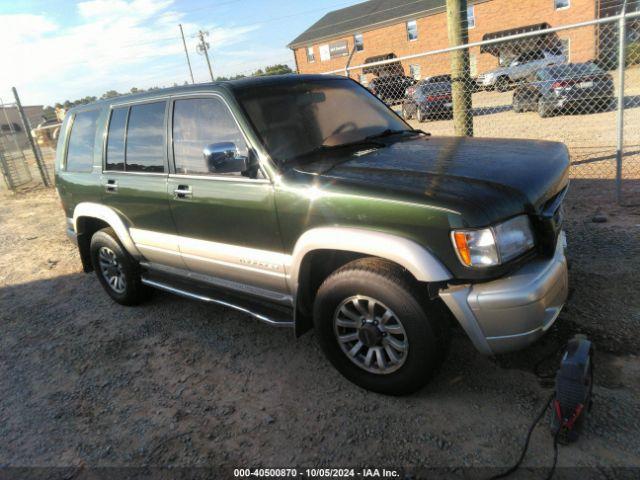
305	202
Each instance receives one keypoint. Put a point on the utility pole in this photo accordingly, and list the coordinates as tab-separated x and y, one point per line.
460	77
203	47
186	52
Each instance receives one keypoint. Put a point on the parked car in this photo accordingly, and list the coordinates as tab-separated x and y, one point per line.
390	88
503	78
573	87
430	98
305	202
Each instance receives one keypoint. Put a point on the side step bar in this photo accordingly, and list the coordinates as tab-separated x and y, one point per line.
266	317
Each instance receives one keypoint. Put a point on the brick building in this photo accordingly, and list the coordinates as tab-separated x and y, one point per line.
387	28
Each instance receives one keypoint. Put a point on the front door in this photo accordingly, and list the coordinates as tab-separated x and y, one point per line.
226	223
134	179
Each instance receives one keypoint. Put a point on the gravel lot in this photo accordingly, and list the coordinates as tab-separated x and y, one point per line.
85	382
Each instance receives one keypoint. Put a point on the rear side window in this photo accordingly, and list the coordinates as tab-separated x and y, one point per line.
115	139
145	147
81	142
199	122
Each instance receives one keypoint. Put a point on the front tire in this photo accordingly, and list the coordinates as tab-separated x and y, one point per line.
544	110
503	84
117	272
375	328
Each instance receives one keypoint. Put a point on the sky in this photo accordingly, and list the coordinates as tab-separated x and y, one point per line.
59	50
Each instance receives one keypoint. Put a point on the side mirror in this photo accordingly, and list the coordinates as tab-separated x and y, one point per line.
223	157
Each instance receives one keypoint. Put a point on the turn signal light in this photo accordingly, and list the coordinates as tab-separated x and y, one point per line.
463	247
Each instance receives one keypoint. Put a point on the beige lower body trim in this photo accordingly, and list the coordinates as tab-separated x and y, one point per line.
260	268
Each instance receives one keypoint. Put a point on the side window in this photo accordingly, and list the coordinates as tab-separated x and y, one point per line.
145	138
115	140
197	123
81	142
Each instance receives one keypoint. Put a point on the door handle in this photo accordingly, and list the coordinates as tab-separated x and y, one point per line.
111	186
183	191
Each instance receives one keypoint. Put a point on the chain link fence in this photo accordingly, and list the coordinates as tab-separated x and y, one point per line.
27	154
578	84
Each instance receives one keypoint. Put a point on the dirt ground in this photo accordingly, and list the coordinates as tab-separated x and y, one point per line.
88	383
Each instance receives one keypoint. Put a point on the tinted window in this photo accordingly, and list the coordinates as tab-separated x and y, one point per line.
115	139
83	135
199	122
145	138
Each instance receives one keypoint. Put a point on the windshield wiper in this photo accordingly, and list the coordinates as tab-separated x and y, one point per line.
369	140
389	132
327	148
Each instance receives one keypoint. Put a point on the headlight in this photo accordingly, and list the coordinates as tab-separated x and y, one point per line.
492	246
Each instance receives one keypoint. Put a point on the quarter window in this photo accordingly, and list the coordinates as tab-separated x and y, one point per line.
197	123
82	141
310	56
358	41
412	30
115	140
145	138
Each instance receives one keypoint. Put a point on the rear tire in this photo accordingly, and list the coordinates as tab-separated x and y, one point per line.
118	273
405	112
517	105
342	308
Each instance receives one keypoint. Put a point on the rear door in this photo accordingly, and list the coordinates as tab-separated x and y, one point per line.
134	178
226	223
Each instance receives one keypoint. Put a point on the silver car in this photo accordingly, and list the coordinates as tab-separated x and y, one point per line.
503	78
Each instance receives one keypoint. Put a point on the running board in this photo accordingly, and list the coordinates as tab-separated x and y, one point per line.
260	312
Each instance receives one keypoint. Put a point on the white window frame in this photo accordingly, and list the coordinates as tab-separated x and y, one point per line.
417	31
471	19
355	42
310	58
412	72
556	7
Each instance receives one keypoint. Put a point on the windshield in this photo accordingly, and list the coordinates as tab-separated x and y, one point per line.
295	119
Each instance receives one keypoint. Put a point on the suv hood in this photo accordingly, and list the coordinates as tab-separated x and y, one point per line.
494	178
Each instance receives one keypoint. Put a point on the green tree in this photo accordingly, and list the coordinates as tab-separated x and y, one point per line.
110	94
278	69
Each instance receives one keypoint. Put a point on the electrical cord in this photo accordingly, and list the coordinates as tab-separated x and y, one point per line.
552	471
516	465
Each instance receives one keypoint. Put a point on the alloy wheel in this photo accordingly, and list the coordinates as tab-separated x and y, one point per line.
111	270
370	334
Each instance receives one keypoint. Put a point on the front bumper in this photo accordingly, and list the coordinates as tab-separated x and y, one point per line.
514	311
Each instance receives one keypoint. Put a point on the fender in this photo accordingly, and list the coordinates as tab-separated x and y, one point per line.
109	216
421	263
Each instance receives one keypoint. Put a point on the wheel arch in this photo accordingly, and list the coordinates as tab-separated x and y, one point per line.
90	217
321	251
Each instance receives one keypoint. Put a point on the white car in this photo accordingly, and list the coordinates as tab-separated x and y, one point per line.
522	66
